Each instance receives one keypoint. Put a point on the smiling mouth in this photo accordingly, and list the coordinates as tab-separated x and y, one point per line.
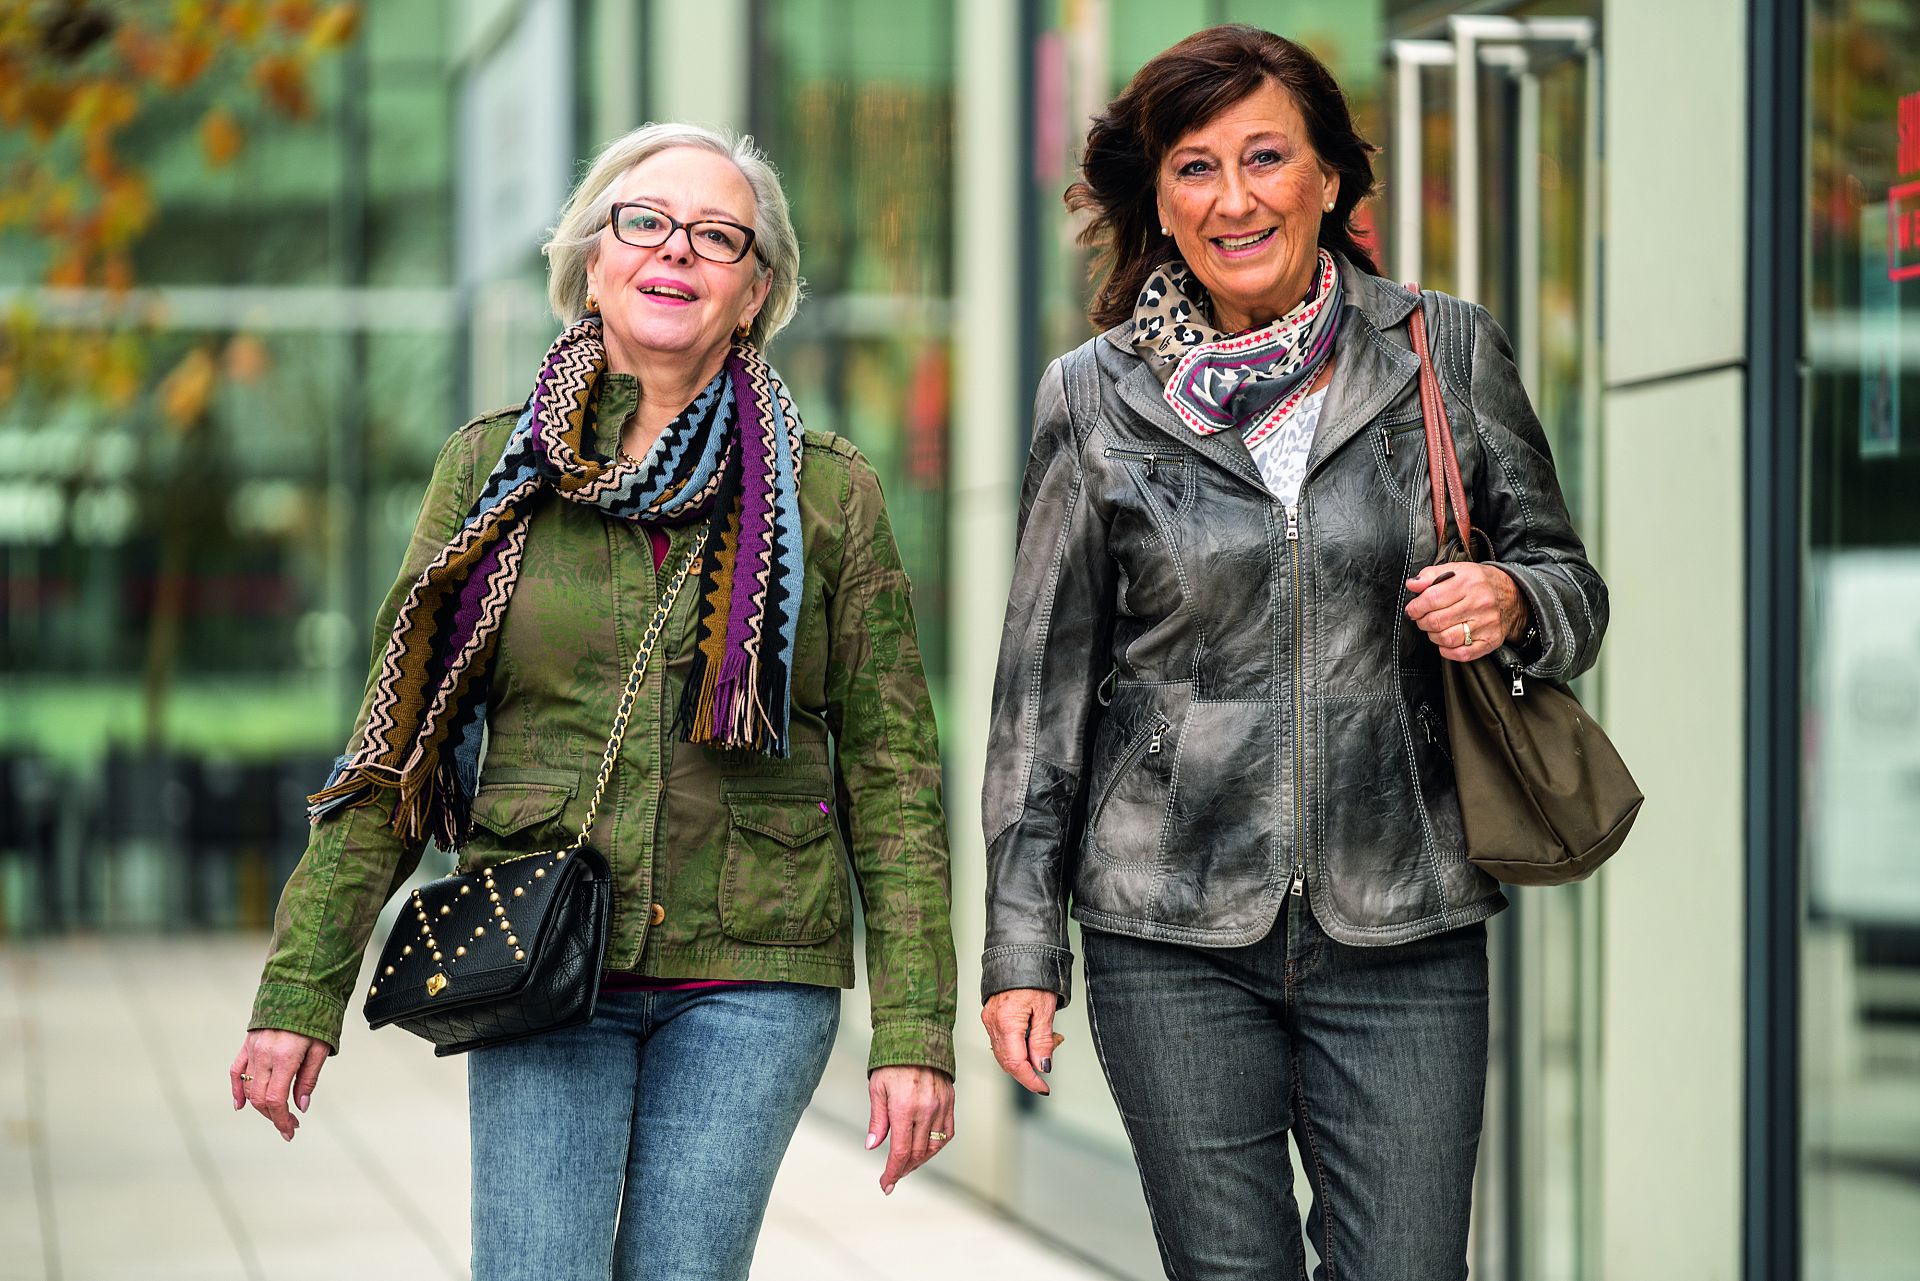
667	291
1247	241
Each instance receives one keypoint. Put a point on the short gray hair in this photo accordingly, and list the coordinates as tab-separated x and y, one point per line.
776	249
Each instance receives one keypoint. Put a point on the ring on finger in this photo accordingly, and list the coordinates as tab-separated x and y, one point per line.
1466	630
245	1078
936	1136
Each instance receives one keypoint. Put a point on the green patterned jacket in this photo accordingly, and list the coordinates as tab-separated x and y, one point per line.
726	864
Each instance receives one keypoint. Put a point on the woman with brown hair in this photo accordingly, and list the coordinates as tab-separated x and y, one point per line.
1217	729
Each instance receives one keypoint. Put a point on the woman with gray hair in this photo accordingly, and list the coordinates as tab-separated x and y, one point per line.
782	732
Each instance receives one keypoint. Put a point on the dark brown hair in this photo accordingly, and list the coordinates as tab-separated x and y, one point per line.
1176	92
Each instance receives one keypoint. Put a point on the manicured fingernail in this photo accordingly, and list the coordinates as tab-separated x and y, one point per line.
873	1141
1046	1065
303	1101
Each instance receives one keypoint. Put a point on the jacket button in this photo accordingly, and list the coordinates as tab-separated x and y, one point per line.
657	915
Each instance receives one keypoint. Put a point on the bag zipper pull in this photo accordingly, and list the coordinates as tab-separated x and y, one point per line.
1519	686
1389	436
1299	882
1293	523
1150	462
1153	744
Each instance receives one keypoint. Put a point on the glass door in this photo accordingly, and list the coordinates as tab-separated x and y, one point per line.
1494	183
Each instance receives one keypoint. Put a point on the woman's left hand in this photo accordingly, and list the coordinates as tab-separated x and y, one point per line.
1468	610
915	1105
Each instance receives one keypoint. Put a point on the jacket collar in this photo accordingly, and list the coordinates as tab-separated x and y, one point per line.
1370	371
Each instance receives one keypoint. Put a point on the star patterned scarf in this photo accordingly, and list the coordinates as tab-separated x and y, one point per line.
732	456
1249	381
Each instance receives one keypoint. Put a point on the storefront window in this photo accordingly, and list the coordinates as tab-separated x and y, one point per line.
853	102
1861	945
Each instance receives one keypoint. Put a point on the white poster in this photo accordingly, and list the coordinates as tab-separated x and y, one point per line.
1863	735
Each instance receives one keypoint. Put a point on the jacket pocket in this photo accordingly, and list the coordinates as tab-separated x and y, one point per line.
784	880
1126	824
519	810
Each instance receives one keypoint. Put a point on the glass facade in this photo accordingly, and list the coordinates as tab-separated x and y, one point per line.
1860	948
195	529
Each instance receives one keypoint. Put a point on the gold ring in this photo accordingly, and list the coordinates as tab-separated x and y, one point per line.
245	1077
1466	629
937	1136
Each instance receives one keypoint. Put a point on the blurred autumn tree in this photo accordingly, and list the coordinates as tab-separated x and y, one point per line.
90	91
76	76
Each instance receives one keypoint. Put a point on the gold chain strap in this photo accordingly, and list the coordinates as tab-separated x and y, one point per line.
618	738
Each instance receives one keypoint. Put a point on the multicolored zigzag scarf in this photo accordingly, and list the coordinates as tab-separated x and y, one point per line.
733	455
1248	381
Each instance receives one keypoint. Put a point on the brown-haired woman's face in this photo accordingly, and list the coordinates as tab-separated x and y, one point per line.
1243	196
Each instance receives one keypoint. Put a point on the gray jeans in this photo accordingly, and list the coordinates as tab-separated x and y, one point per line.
1373	1059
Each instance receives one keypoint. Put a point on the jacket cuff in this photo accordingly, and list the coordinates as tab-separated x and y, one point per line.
1556	647
911	1043
1035	965
294	1007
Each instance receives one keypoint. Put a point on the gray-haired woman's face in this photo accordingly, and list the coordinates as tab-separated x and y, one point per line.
668	301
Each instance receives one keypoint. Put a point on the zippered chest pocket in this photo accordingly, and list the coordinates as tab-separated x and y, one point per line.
1165	476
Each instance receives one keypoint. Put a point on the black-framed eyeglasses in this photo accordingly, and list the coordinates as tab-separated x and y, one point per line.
714	239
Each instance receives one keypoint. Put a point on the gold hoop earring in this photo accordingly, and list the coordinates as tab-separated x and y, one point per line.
593	304
744	328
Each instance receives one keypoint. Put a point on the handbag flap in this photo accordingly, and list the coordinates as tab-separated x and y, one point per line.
474	933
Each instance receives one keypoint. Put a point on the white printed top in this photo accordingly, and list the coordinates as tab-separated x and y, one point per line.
1281	455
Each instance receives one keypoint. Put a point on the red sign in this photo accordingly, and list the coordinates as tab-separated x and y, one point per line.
1903	201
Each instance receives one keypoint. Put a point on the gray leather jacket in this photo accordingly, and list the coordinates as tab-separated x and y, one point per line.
1206	701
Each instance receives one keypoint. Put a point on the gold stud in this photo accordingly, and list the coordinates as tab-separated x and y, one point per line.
539	872
374	990
459	951
518	890
466	889
389	971
499	911
513	940
519	956
407	950
562	854
494	897
445	908
478	931
436	956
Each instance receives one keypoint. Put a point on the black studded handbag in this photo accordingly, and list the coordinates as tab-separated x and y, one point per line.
516	949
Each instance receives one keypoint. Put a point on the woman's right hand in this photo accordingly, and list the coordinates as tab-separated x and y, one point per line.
273	1068
1020	1027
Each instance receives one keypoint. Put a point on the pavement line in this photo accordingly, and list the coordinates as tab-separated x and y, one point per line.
411	1211
38	1159
174	1091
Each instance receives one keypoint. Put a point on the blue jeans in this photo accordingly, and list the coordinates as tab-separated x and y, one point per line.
643	1144
1373	1059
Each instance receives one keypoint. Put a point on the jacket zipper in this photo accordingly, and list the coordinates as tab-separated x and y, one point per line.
1391	432
1299	733
1154	743
1151	459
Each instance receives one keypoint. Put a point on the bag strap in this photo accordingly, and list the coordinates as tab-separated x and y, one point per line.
648	640
1443	463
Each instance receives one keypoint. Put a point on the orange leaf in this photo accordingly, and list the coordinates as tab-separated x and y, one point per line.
117	273
68	271
188	389
293	15
334	28
220	137
243	20
186	60
283	83
47	107
247	358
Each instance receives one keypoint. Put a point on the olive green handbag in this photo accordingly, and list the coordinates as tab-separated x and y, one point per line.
1544	796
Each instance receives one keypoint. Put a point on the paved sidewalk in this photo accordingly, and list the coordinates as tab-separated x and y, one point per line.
121	1159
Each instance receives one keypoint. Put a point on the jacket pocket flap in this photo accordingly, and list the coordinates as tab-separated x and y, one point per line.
791	820
508	804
